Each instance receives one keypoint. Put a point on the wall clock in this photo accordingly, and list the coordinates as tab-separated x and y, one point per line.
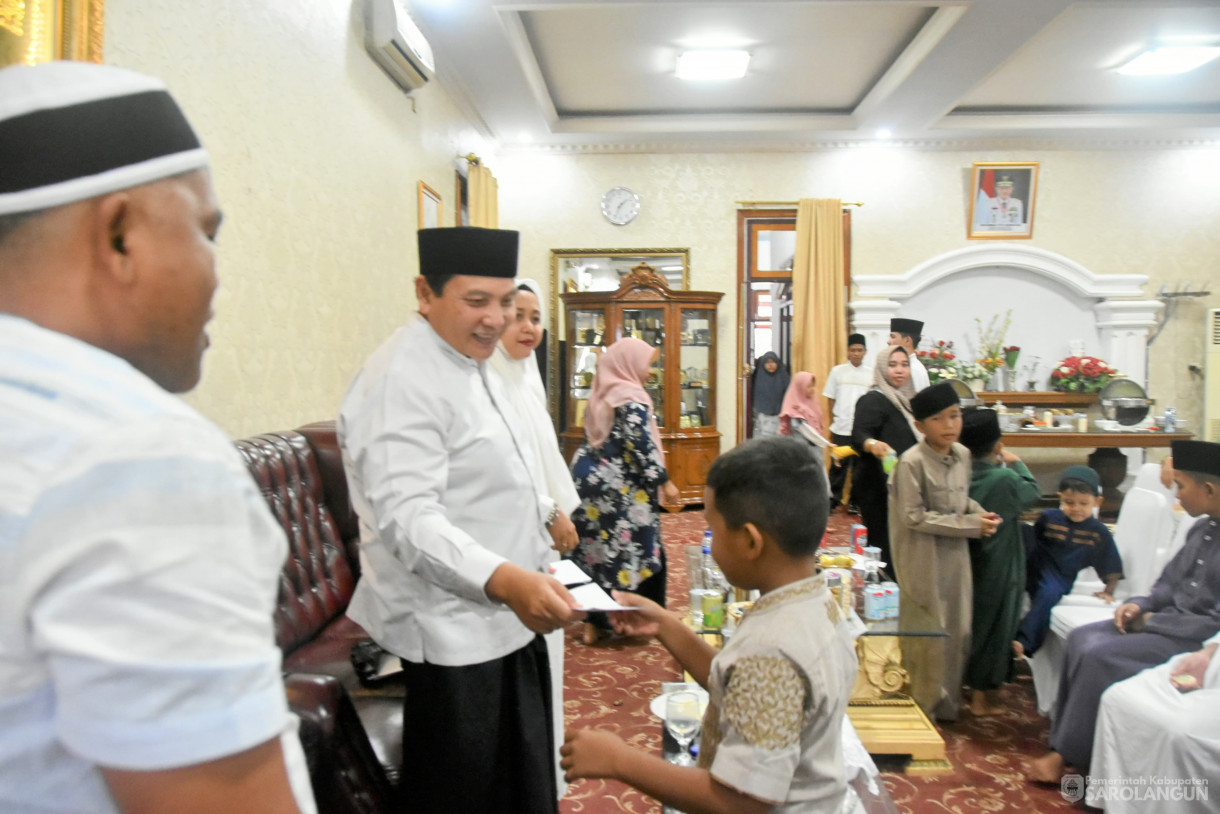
620	206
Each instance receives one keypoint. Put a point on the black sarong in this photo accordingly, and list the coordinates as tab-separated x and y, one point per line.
478	739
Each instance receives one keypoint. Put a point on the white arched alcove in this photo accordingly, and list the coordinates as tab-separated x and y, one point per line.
1055	303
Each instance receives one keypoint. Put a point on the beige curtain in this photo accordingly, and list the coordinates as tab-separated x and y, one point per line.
819	325
484	204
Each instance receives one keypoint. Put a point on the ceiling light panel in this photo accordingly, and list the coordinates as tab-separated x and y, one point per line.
1170	59
712	65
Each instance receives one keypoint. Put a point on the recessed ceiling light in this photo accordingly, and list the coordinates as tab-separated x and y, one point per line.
884	132
712	64
1170	59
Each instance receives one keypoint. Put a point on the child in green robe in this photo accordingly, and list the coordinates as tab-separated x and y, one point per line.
1000	483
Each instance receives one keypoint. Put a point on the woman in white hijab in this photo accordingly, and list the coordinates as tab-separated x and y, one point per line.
514	361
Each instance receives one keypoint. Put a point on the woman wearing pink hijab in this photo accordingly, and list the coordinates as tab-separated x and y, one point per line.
620	472
801	403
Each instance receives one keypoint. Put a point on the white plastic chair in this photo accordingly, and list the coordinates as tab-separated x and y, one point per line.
1146	525
1145	538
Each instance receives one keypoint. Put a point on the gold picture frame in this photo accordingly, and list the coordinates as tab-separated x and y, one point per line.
1002	196
34	31
430	209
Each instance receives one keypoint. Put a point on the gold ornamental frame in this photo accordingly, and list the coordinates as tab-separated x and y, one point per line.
34	31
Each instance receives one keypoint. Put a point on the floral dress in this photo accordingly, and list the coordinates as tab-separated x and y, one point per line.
619	518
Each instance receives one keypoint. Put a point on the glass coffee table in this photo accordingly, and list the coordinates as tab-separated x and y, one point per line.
886	718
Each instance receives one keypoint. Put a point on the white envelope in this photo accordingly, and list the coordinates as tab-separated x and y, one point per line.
591	597
568	572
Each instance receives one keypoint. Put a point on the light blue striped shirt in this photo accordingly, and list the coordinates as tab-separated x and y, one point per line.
138	573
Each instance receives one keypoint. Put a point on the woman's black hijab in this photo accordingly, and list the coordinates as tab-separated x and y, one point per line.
769	388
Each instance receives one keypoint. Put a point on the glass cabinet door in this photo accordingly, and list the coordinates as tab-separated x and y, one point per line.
587	335
648	324
698	330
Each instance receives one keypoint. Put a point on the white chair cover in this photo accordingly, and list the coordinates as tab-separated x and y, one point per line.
1147	535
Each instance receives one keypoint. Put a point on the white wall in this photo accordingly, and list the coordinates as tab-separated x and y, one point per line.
316	156
949	306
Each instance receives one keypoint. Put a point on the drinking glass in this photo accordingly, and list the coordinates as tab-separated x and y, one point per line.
682	719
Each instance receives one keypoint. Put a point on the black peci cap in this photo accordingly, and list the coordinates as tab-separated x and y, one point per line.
931	400
470	250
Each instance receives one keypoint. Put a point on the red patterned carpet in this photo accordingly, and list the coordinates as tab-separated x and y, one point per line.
608	686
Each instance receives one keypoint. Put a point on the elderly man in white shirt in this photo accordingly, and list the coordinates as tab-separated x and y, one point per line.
138	562
455	536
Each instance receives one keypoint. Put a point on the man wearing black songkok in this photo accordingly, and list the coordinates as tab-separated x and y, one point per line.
844	387
455	538
906	334
1182	611
138	664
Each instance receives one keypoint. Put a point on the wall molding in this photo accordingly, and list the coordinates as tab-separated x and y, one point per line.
764	144
1122	320
1061	269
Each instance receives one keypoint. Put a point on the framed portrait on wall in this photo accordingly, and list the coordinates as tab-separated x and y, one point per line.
1002	200
429	207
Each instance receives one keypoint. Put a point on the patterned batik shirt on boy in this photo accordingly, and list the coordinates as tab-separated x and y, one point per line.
779	692
1069	547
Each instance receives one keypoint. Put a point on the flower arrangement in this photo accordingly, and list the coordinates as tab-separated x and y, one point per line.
973	371
940	362
1011	354
1081	374
990	364
991	348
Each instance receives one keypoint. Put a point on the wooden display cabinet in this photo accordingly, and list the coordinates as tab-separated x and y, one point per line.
683	381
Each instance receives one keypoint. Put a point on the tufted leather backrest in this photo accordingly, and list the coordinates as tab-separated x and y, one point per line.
317	580
325	442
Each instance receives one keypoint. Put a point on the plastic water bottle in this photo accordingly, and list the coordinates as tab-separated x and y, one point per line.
873	566
714	587
1171	419
889	462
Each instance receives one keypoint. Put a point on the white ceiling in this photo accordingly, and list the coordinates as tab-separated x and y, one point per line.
576	75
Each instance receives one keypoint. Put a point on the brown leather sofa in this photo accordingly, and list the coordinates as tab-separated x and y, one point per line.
352	734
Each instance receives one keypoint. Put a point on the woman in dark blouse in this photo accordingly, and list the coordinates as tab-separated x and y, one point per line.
883	426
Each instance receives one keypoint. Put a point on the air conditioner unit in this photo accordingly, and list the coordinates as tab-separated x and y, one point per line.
393	39
1211	380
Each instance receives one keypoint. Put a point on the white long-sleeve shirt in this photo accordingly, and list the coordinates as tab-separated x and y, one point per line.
436	463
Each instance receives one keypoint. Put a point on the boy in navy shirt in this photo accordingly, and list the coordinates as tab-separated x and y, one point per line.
1066	541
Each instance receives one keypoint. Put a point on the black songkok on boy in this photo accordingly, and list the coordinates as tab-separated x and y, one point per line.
910	327
980	428
931	400
468	250
856	339
70	131
1196	456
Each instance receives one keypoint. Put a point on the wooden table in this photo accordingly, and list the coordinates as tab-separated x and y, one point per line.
1105	458
1092	440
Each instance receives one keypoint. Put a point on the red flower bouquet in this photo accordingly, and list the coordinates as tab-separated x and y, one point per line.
940	361
1081	374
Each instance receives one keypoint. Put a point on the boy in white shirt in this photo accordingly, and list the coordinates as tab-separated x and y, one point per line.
779	688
